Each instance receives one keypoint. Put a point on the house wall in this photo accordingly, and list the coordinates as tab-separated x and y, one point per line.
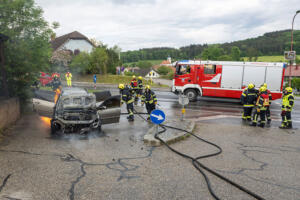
82	45
154	74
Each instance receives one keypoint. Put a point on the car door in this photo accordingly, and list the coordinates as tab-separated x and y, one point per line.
110	110
43	108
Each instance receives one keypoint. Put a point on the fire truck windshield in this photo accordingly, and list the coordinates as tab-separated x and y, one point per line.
183	69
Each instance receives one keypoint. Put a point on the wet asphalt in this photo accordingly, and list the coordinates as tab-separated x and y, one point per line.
115	164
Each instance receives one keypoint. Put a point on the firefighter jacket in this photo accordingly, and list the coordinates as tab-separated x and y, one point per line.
140	84
68	76
288	102
263	101
127	96
134	83
149	97
249	97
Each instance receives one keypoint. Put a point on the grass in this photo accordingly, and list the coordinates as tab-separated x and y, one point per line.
154	62
270	59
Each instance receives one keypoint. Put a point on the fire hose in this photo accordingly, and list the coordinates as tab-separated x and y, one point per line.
200	166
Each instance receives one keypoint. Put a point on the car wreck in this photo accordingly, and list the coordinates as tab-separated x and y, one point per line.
76	110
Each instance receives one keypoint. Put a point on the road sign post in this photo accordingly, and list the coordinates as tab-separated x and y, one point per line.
183	100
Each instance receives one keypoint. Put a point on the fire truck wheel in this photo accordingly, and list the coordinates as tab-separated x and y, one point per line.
191	94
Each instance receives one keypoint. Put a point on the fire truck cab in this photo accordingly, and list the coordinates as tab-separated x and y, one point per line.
226	79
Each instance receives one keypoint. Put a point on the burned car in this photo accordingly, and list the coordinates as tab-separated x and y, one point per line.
76	110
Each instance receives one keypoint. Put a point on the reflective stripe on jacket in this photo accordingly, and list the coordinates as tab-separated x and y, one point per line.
149	97
288	102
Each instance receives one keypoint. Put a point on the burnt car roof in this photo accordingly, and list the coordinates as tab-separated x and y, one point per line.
74	91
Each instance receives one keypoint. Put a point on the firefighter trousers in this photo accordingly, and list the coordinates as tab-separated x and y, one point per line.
286	119
129	107
247	113
268	113
69	82
261	114
150	107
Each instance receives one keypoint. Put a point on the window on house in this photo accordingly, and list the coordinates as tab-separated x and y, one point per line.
209	69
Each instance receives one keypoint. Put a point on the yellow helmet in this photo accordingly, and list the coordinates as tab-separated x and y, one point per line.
133	76
147	87
265	85
140	77
251	85
289	89
121	86
262	89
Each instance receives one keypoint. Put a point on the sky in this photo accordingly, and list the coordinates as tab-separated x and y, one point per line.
136	24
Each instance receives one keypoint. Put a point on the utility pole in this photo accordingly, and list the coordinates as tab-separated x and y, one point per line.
4	86
291	62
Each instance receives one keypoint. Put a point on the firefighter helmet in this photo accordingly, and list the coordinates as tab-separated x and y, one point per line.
262	89
121	86
133	76
251	85
265	85
140	77
289	89
147	87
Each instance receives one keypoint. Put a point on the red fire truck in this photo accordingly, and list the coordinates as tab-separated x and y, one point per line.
226	79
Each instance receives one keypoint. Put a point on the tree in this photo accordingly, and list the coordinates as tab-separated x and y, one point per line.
296	83
235	53
28	50
212	53
163	70
252	54
144	64
98	61
80	63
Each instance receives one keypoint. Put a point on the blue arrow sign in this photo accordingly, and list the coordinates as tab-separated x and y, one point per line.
157	116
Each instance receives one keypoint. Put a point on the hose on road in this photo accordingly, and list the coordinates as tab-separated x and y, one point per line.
200	166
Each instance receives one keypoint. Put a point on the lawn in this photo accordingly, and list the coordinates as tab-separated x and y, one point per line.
154	62
270	59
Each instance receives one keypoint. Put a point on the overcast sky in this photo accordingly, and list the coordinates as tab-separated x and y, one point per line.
135	24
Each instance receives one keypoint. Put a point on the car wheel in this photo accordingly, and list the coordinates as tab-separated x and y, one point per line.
53	128
191	94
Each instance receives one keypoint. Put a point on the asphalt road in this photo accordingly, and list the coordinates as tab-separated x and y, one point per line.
115	164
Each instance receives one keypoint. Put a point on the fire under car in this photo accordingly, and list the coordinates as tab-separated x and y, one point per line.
76	110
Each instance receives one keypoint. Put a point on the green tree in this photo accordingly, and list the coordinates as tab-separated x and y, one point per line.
80	63
225	58
296	83
113	59
213	52
98	61
163	70
28	50
144	64
235	53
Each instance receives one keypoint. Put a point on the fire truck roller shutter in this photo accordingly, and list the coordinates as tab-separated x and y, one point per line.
255	75
274	74
232	77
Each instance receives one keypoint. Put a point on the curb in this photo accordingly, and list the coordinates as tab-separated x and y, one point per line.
169	138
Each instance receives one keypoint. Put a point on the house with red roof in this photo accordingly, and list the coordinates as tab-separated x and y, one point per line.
293	71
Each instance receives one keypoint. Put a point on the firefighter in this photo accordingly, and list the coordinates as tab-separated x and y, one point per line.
127	97
56	83
248	99
261	106
139	87
149	98
268	113
69	78
287	106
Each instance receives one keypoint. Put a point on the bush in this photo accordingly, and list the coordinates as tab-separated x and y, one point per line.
129	73
163	70
296	83
169	76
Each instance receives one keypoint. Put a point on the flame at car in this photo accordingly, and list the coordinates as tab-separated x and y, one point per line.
46	120
57	93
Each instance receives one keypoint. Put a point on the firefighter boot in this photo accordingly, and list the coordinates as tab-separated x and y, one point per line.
131	118
262	125
253	124
289	125
283	125
269	121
